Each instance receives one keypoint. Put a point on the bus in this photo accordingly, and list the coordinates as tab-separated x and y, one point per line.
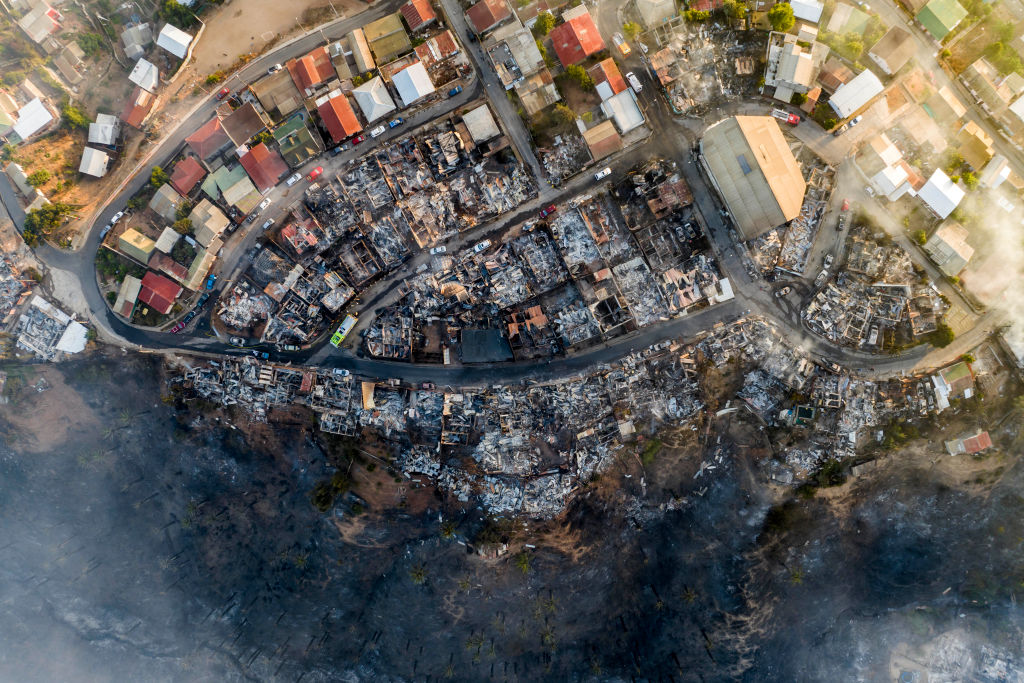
346	326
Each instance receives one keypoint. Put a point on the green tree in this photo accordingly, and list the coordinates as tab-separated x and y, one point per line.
74	117
91	43
215	78
734	9
264	136
631	30
111	297
31	239
175	13
38	178
158	177
578	74
970	180
695	15
781	16
543	25
942	336
562	114
798	98
183	226
920	236
523	562
47	218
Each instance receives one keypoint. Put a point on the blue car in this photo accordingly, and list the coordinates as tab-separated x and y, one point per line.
455	91
395	123
210	280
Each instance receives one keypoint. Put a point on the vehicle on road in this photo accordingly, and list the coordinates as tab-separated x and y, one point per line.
202	300
634	82
178	328
189	316
870	190
846	205
377	132
783	115
294	178
209	281
828	261
290	347
116	217
481	246
224	92
842	129
621	43
267	224
603	173
346	326
264	204
106	230
455	91
395	123
471	36
274	69
438	250
238	341
248	219
357	139
783	292
315	173
856	120
548	211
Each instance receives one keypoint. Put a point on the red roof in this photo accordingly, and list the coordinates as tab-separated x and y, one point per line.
418	13
487	14
978	443
338	117
441	46
264	166
608	70
706	5
187	173
576	39
138	107
208	139
312	69
164	263
159	292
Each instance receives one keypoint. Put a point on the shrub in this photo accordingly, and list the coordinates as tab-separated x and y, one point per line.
781	17
158	177
38	178
543	25
920	236
798	98
694	15
580	76
631	30
215	78
91	44
74	117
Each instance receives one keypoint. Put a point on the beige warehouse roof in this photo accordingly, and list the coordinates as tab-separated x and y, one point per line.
755	172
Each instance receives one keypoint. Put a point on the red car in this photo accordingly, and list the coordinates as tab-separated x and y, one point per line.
357	139
224	92
177	328
548	211
846	205
315	173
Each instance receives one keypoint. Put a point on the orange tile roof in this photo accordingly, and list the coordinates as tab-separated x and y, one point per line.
418	13
312	69
339	118
208	139
487	14
978	443
608	70
159	292
138	107
264	166
576	39
187	173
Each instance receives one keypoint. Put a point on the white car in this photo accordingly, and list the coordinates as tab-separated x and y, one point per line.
264	204
377	132
481	246
634	82
869	190
856	120
116	217
828	261
438	250
294	179
603	173
267	225
341	373
274	69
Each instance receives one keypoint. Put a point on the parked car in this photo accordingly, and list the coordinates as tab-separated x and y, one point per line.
828	261
238	341
377	132
856	120
335	151
357	139
846	205
116	217
294	178
547	212
438	250
634	82
202	299
178	328
264	204
106	230
603	173
842	129
471	36
481	246
274	69
315	173
782	292
224	92
395	123
870	190
189	316
209	282
267	224
455	91
290	347
341	373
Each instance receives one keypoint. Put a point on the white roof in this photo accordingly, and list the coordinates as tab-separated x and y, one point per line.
481	124
853	95
996	171
74	339
104	130
889	179
808	10
94	162
1018	107
145	75
940	194
624	110
32	118
795	66
174	40
373	98
412	83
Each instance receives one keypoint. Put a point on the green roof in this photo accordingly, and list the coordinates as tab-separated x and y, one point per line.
939	17
221	180
297	142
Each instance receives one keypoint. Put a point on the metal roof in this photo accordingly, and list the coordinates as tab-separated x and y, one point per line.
851	96
174	40
412	83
